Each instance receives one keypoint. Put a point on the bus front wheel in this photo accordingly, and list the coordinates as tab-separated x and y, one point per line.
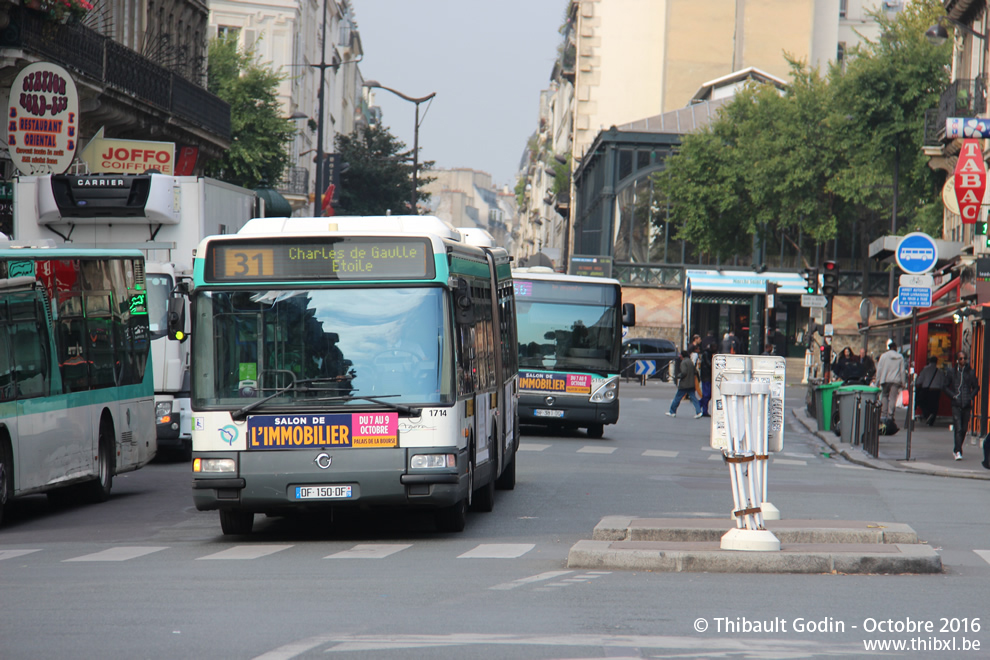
452	518
236	523
596	430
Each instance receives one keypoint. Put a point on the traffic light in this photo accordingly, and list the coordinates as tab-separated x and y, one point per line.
810	280
830	278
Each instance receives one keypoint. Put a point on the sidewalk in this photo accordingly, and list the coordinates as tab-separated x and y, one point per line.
931	450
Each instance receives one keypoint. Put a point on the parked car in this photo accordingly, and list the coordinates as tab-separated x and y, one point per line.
662	351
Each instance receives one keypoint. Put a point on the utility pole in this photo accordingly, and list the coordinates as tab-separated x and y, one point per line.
321	184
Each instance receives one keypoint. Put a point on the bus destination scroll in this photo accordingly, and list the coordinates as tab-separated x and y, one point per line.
340	259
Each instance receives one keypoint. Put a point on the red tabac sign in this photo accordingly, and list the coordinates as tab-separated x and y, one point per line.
970	180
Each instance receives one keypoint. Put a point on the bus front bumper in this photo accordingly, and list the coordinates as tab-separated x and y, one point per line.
269	481
565	411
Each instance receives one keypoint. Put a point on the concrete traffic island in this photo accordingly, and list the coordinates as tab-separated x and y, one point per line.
806	546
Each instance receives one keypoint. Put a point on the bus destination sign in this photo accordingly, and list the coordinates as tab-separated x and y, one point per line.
338	258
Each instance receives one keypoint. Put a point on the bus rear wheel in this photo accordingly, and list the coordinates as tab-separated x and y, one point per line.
5	471
234	522
99	489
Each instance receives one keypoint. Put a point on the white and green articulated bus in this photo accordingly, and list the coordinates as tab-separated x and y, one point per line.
76	391
570	338
357	362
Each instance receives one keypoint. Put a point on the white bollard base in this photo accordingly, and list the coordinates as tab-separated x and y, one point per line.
770	512
750	540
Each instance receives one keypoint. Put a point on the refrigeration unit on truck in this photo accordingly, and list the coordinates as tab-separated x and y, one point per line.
163	216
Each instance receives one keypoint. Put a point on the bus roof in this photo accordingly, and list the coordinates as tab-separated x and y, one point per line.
545	274
22	250
372	224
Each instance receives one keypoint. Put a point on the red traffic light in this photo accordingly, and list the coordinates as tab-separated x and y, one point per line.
831	265
830	278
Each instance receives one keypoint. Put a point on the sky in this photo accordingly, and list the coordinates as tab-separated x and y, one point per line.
487	61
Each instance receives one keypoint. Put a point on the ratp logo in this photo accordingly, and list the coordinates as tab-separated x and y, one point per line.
228	434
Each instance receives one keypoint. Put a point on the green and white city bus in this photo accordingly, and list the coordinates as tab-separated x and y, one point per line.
570	337
77	401
351	362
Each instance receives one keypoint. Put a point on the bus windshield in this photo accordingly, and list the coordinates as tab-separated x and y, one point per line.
321	346
567	326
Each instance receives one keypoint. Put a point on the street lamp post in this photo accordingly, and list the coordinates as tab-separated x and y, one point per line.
415	192
323	66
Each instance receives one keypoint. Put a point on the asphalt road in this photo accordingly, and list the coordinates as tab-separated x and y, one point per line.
146	576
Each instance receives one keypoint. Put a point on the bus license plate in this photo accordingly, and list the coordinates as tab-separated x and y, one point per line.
540	412
323	492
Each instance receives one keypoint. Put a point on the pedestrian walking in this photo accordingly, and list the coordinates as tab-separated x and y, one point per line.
685	386
961	386
705	376
890	377
867	366
730	344
928	390
709	343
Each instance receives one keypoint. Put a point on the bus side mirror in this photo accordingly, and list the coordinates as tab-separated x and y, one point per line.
628	314
177	318
463	305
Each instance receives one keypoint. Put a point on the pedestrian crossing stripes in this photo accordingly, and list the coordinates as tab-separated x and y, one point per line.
596	450
983	554
122	553
259	551
247	552
10	554
498	551
370	551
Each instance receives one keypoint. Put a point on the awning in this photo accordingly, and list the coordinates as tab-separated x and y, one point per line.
741	281
925	316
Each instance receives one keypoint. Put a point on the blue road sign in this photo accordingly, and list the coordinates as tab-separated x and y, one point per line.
646	367
897	309
914	296
916	253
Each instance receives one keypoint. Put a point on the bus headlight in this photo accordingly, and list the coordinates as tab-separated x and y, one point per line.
606	392
419	461
163	412
214	465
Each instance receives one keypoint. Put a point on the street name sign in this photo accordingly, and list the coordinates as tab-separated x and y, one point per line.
812	300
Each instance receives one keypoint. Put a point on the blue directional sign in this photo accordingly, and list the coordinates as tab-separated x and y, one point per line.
897	309
914	296
646	367
916	253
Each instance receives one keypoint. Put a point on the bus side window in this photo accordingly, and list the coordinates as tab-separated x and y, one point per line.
8	390
30	361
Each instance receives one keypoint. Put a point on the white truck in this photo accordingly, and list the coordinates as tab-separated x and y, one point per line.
164	216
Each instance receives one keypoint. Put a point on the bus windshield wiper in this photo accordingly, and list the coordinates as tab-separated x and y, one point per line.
241	413
399	407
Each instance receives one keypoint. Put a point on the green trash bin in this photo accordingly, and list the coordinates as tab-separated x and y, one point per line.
823	404
846	406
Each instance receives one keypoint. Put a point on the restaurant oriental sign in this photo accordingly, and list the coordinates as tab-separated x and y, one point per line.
970	180
42	119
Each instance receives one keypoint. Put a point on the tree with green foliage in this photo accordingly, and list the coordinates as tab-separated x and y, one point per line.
378	177
259	134
821	156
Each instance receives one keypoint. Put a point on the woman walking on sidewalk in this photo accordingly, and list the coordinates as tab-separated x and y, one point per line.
961	386
685	386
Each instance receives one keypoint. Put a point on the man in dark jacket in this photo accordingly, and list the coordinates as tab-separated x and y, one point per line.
685	386
961	386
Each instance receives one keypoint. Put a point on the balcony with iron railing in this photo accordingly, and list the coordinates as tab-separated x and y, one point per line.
119	68
295	181
962	98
